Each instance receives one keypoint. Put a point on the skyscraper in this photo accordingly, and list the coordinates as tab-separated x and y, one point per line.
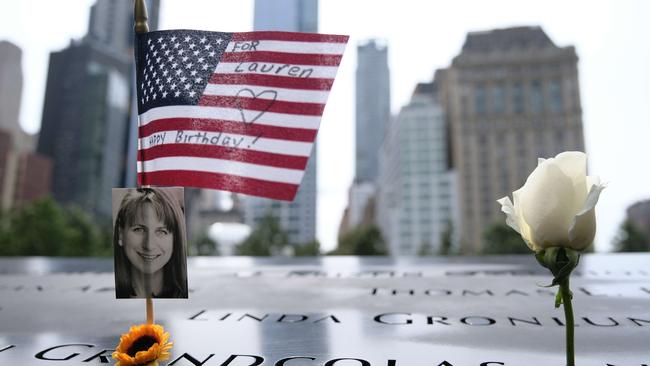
11	86
298	218
416	203
24	175
86	113
509	97
372	107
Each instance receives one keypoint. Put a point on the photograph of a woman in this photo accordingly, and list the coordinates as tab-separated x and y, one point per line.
149	243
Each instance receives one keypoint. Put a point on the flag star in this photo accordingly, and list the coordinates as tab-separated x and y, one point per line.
160	88
211	54
149	41
160	40
179	71
151	68
170	58
207	46
192	93
164	45
146	98
176	94
192	45
189	65
204	67
142	85
183	79
146	76
203	39
174	65
149	83
181	52
155	53
193	73
169	80
164	94
176	45
196	53
151	47
165	73
173	86
167	52
185	59
154	74
151	90
148	62
158	59
187	39
197	80
219	40
173	38
187	86
142	100
200	59
154	96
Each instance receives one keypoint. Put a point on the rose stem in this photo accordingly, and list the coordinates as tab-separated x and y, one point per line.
568	315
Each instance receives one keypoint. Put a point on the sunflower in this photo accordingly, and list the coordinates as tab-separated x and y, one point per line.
143	345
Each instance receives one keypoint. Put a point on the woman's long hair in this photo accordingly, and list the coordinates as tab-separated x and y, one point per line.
169	210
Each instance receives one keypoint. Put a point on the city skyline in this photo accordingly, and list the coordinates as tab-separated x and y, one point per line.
609	43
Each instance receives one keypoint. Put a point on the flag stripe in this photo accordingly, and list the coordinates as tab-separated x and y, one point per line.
227	182
241	142
279	69
216	125
263	105
212	165
282	57
289	36
273	81
287	46
225	153
261	92
229	114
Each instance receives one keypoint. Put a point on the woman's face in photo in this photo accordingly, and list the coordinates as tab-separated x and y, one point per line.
148	243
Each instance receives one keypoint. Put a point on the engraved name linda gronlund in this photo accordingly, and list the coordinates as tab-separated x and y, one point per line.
408	319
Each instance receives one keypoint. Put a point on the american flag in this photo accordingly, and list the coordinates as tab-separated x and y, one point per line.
232	111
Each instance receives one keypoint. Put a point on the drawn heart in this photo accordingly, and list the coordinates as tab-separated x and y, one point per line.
250	116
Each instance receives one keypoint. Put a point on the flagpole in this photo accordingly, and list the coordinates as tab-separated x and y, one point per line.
142	26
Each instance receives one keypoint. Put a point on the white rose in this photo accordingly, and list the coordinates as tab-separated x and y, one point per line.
556	205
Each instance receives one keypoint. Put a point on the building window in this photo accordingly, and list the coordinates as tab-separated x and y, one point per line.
479	100
555	91
517	98
499	99
536	97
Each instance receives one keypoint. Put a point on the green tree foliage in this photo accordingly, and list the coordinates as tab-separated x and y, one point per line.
310	249
267	239
630	239
45	228
501	239
204	245
363	240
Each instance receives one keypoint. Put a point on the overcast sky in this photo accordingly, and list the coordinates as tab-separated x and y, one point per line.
611	39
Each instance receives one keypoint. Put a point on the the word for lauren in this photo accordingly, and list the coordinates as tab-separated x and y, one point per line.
87	353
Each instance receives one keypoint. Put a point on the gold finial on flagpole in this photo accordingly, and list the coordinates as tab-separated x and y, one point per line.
140	16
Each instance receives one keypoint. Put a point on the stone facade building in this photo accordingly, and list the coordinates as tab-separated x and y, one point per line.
509	97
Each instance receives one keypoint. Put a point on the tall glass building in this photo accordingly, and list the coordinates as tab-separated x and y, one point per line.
298	218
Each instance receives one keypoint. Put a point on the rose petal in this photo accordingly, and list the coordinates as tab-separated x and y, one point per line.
509	209
583	226
526	232
546	201
574	165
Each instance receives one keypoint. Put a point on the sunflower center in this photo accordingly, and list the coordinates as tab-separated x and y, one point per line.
141	344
